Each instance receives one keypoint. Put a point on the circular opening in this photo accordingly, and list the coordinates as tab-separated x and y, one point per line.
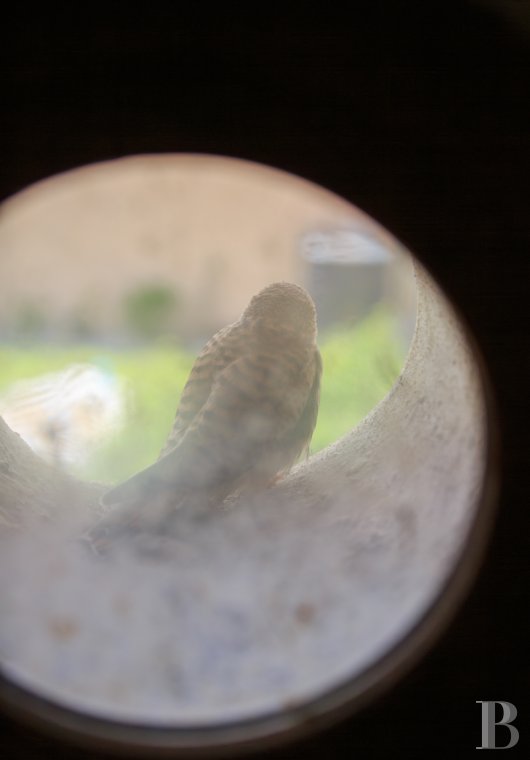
190	617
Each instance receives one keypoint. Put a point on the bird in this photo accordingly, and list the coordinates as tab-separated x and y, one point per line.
248	409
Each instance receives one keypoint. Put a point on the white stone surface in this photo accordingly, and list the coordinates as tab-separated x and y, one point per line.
271	602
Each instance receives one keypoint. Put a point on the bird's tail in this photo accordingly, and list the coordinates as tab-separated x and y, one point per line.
139	487
144	505
162	479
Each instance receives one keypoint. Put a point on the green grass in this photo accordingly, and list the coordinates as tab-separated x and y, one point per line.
360	366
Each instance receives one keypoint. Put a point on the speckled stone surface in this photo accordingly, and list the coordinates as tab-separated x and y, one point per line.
266	602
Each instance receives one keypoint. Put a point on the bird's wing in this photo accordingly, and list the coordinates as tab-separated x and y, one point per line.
303	430
253	403
212	359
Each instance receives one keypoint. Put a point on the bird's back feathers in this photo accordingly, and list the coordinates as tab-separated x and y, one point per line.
247	411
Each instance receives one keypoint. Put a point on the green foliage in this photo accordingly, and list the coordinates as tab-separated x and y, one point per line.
149	309
360	366
29	321
154	377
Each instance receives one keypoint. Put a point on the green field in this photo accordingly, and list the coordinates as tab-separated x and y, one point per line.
360	366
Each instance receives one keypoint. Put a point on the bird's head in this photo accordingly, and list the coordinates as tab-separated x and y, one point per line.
286	307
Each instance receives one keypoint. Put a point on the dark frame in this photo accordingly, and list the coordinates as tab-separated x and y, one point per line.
417	116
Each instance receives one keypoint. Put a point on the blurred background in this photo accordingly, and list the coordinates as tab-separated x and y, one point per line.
114	275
